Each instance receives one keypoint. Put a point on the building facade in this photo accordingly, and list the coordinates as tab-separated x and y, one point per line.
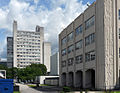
28	46
89	48
10	51
54	62
46	55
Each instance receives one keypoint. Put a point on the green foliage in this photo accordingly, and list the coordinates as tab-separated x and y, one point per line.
10	72
2	67
66	89
28	73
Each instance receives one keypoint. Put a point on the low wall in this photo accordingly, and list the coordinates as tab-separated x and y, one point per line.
52	81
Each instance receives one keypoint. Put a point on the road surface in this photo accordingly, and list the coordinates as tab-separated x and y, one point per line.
26	89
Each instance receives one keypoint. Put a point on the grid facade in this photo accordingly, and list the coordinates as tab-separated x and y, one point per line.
28	47
10	51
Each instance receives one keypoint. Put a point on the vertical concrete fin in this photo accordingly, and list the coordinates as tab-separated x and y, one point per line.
106	46
14	43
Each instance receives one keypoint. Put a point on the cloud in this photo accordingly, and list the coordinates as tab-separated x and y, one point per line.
36	1
54	18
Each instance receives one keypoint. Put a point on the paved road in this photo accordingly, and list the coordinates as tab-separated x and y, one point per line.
26	89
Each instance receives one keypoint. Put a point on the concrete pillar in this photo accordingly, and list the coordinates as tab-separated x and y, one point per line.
75	79
84	86
60	80
67	79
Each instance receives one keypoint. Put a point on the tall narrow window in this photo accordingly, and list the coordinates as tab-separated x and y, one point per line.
119	52
119	33
63	52
64	40
90	22
79	59
78	45
119	14
70	49
70	61
70	36
90	56
90	39
79	30
63	63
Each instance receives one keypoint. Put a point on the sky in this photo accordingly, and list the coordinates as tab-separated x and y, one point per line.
53	15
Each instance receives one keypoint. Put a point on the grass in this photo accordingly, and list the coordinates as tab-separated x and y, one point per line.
16	92
115	92
44	85
33	86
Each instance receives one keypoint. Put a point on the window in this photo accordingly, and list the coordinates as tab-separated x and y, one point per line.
63	63
64	40
63	52
70	49
79	59
90	39
90	22
119	33
70	36
90	56
70	61
119	52
79	30
119	14
78	45
87	40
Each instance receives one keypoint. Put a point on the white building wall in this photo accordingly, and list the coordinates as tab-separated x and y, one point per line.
14	43
28	46
54	69
47	54
41	79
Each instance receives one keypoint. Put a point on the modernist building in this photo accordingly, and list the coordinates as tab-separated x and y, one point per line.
10	51
90	47
46	55
28	46
54	62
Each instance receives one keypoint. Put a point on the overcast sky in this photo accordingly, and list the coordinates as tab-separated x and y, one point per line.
53	15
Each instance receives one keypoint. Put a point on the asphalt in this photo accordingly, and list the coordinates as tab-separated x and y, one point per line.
27	89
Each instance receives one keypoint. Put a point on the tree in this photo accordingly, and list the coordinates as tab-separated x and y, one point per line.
28	73
12	73
31	71
2	67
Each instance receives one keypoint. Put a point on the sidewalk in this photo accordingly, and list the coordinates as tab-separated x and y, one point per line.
44	89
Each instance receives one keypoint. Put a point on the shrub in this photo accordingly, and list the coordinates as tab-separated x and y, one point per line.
66	89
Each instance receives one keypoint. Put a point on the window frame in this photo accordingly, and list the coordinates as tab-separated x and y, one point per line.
90	22
79	59
70	37
90	56
80	42
79	30
119	14
62	41
70	48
